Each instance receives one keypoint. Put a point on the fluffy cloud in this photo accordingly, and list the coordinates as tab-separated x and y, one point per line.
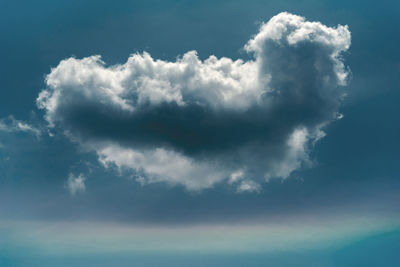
196	123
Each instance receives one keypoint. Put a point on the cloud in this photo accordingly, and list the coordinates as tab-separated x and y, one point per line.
197	122
10	125
76	184
248	186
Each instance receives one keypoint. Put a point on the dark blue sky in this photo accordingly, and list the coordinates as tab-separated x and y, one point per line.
355	166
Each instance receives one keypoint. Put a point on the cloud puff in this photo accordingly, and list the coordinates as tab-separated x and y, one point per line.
195	123
76	184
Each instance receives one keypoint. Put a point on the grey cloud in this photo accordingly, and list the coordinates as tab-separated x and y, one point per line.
194	122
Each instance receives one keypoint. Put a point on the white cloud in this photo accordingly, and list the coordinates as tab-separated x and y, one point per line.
76	184
161	165
295	156
196	123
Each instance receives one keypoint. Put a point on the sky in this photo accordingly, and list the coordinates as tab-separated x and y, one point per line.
202	133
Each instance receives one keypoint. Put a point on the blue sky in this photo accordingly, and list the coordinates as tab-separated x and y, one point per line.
161	156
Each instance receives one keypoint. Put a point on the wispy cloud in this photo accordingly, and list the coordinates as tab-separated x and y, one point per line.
10	124
51	238
76	184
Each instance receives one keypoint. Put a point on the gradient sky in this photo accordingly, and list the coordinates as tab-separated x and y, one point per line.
64	203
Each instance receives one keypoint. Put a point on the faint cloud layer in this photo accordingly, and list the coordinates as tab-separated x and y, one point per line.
91	237
196	123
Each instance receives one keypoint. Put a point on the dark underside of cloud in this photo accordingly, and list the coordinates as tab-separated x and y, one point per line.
192	130
196	123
